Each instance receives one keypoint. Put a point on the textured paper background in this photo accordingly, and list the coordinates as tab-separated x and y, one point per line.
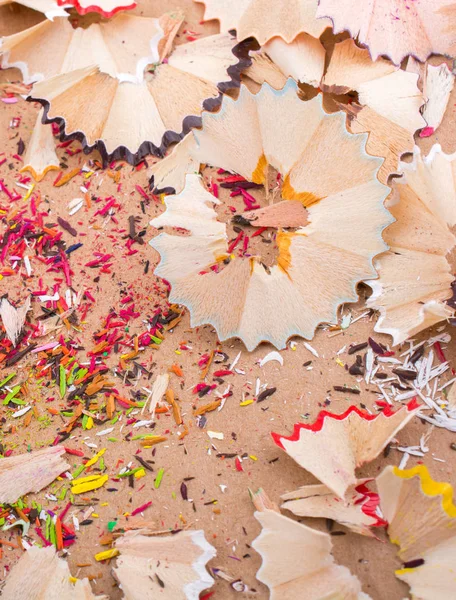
246	430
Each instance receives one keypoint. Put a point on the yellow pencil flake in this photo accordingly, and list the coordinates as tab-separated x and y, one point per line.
107	554
94	459
246	403
88	486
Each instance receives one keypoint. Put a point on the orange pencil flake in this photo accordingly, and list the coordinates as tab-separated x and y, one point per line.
97	384
125	400
28	418
99	347
169	394
110	407
10	544
205	371
67	177
176	370
173	323
58	534
153	441
207	408
74	418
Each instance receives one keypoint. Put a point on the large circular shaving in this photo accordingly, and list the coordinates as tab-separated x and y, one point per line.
122	47
266	19
415	276
163	566
422	522
296	560
388	99
330	193
91	82
396	28
49	8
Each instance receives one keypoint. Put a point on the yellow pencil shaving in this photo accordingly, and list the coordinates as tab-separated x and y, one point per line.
85	479
430	487
29	193
94	459
107	554
140	473
81	488
400	572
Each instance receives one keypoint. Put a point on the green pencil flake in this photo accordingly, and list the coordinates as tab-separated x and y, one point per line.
156	340
53	536
159	478
48	526
7	378
85	418
62	374
80	374
78	471
70	364
131	472
114	419
71	375
101	464
111	525
18	401
112	440
11	395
